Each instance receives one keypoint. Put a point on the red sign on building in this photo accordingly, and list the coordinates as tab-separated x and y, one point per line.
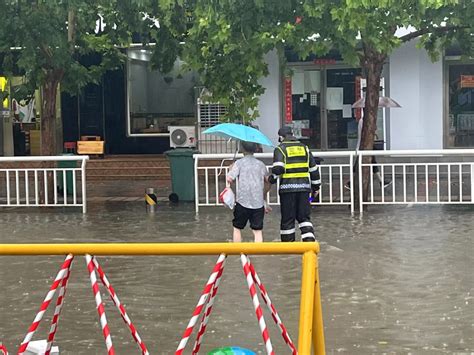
288	101
467	81
325	61
357	88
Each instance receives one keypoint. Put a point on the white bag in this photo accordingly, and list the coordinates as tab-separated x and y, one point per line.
227	197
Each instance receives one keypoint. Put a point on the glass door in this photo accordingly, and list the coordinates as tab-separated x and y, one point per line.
461	105
340	95
306	106
321	106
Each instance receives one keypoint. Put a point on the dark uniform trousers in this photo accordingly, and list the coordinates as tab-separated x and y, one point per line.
295	205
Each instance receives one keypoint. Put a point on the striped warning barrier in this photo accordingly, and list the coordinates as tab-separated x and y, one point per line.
100	306
49	296
57	311
272	309
120	306
256	305
207	312
202	300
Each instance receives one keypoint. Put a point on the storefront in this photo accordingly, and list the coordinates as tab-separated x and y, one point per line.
318	104
156	101
132	108
459	88
436	98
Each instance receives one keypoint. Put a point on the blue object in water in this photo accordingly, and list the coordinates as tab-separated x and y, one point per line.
233	350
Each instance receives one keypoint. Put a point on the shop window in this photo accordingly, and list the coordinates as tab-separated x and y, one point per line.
157	100
461	106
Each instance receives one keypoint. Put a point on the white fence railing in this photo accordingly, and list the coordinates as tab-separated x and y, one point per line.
22	185
414	177
211	170
419	177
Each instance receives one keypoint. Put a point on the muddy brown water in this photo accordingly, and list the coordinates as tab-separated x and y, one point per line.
396	281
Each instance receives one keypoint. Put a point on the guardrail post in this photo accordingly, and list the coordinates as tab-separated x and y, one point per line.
196	183
308	278
360	158
319	346
351	179
83	183
472	182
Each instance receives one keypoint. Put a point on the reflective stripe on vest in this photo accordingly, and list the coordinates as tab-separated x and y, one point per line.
295	175
297	165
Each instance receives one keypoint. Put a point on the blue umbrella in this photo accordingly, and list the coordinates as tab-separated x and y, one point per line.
239	131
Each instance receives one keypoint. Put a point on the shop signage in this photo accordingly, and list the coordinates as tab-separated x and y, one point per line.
467	81
288	100
324	61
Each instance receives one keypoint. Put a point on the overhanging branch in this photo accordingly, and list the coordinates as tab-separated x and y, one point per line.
424	31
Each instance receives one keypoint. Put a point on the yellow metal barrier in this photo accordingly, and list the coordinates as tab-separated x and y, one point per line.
311	319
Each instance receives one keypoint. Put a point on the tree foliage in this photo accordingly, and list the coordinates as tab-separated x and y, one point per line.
365	33
68	43
228	39
226	44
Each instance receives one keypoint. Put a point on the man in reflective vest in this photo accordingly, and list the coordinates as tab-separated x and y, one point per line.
299	176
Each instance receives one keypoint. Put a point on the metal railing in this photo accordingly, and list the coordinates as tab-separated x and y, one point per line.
25	184
310	329
413	176
210	171
419	177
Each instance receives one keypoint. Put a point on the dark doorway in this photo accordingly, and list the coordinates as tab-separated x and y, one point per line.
91	111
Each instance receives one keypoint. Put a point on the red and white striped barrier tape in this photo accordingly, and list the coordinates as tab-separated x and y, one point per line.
256	305
271	307
120	307
3	349
49	296
57	310
100	306
207	312
202	300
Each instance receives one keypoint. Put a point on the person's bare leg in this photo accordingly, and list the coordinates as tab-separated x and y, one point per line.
237	235
258	235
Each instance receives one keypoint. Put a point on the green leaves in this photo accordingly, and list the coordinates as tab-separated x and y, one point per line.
48	43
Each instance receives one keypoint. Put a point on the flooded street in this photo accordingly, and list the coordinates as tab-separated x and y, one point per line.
399	280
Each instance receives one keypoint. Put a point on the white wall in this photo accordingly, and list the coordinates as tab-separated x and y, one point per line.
269	104
416	83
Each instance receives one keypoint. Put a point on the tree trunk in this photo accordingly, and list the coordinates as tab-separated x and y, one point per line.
48	126
372	67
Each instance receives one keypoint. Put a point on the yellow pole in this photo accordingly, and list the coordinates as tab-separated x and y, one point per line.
306	303
318	327
159	248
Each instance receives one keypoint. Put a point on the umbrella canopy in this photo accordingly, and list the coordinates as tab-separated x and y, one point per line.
384	101
240	132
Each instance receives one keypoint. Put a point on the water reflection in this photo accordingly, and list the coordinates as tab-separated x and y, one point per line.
399	280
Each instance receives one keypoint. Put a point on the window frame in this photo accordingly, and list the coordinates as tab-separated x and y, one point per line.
447	63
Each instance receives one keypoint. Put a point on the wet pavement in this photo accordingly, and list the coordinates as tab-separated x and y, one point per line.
399	280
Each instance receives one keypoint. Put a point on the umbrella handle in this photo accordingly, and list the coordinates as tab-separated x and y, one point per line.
221	168
223	160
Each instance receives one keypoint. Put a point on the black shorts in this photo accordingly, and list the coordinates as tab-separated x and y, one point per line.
243	214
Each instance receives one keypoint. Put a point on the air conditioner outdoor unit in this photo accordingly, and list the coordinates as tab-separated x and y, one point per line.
182	136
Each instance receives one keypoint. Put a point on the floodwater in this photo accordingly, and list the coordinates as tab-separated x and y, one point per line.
400	280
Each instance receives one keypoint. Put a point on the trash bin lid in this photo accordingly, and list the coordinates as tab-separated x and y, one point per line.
181	152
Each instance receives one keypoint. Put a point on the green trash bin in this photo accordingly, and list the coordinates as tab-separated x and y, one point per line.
182	172
69	175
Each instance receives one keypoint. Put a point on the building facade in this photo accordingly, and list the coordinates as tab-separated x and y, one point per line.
132	108
436	99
